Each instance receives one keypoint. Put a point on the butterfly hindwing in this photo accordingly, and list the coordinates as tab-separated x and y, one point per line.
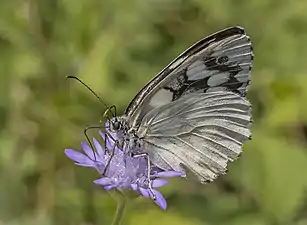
202	131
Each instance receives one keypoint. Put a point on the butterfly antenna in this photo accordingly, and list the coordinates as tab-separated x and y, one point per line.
91	90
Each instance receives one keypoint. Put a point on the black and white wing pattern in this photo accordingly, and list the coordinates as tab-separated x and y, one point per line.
193	113
221	61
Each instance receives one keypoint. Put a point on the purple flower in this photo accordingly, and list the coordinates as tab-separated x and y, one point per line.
121	171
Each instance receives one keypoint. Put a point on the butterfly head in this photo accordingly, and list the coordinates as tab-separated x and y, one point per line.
118	124
126	137
115	124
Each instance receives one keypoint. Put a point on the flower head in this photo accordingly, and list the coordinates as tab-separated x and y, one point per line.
121	171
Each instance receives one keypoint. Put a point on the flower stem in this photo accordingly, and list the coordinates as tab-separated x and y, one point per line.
121	205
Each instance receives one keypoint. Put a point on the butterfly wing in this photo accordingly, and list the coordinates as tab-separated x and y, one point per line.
218	62
193	113
201	131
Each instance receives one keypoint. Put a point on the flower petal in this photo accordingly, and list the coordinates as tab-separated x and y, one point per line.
100	167
145	192
104	181
166	174
103	135
109	187
88	150
160	200
159	183
86	165
79	158
99	148
134	186
109	142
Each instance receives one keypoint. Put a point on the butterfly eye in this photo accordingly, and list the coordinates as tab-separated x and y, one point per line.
116	125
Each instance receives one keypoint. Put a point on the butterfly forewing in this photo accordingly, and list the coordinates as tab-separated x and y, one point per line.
194	114
218	62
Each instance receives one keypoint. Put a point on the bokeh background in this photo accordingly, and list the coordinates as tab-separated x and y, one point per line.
116	47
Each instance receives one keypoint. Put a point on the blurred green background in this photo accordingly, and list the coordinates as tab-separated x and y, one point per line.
116	47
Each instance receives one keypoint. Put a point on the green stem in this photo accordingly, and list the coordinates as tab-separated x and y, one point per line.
121	205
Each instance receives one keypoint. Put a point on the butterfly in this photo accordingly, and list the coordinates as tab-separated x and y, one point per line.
194	114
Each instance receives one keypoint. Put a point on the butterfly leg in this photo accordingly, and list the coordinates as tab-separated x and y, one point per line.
145	155
91	127
111	156
86	129
113	107
111	152
109	109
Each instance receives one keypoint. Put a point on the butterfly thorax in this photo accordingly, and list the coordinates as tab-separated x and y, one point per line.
127	139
